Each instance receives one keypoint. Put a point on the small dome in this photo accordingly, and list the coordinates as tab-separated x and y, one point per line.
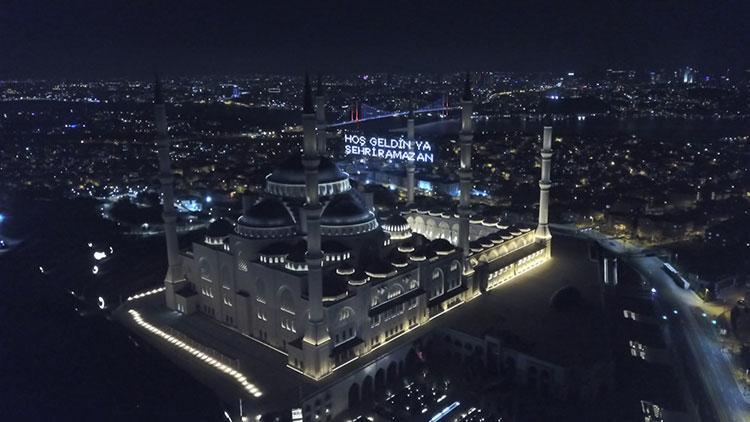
379	268
396	220
406	247
358	278
515	231
292	171
269	212
345	209
490	221
505	234
334	288
496	237
485	242
422	253
397	227
475	246
345	269
442	246
219	228
398	259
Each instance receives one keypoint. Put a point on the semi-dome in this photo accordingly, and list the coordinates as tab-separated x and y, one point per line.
345	209
269	212
267	219
292	171
288	179
219	228
346	214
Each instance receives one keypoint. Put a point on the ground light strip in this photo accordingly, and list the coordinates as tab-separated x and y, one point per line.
144	294
238	376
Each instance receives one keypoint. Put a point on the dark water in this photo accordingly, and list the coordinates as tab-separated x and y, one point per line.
667	129
57	365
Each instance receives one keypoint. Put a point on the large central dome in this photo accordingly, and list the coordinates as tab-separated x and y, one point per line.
288	179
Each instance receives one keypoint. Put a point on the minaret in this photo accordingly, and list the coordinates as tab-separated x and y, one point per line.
316	338
169	215
320	118
466	136
410	167
542	230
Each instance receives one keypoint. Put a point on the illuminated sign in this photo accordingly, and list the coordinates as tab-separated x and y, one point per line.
388	149
296	414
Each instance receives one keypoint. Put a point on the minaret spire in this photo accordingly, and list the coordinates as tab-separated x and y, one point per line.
169	215
320	118
542	230
466	137
316	337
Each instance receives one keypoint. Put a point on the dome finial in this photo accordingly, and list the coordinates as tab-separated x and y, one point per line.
467	88
307	107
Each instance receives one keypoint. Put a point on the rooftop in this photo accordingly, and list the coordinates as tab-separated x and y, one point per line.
521	305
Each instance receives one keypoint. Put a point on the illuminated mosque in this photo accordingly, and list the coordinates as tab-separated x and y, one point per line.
312	272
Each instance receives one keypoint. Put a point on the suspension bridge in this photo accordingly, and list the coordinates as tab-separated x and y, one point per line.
360	112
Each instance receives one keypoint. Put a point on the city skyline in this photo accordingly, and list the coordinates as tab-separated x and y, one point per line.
378	211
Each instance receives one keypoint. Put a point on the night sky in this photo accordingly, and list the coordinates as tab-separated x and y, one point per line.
123	38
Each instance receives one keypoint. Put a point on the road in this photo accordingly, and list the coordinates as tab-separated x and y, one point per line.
694	335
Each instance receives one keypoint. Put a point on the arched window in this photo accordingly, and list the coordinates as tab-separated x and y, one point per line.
241	261
286	301
260	291
205	269
437	286
345	314
226	277
395	291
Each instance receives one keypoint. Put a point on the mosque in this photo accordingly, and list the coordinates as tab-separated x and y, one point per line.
312	272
